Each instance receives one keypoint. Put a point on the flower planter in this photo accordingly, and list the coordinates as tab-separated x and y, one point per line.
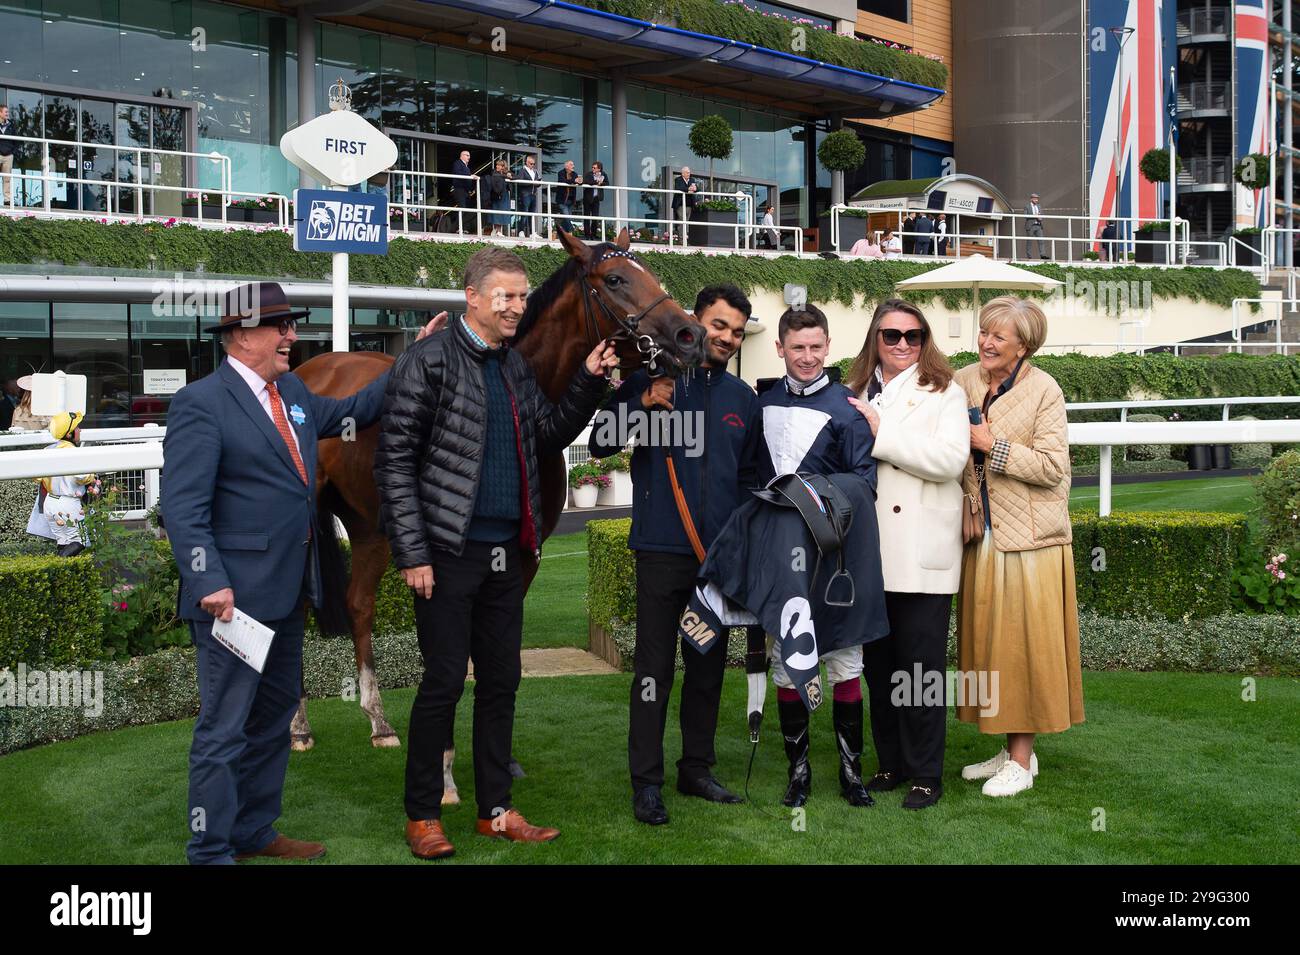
264	216
619	492
852	228
702	231
1198	457
1151	253
210	211
585	496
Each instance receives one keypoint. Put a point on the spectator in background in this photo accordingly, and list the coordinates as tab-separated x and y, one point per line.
7	147
22	413
770	232
941	235
866	249
496	185
9	398
924	228
462	189
1034	228
1108	241
909	233
684	189
891	244
567	195
526	196
591	197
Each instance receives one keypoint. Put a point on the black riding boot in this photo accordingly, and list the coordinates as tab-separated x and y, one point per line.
794	728
848	737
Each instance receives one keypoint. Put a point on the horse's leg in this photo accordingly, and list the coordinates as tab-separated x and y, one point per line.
300	738
369	560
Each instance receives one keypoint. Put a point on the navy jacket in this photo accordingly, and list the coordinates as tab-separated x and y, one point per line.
715	482
236	512
817	432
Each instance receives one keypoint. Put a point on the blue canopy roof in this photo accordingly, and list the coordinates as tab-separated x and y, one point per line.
900	95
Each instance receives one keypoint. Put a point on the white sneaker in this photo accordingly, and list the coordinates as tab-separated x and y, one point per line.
1012	778
989	768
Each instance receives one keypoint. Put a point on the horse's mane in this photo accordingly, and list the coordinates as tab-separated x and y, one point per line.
544	296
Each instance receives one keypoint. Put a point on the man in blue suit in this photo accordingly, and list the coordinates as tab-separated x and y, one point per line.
238	500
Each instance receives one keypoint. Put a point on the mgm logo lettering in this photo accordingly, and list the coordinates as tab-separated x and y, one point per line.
697	629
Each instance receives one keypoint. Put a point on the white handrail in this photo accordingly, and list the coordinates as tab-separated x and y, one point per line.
1108	434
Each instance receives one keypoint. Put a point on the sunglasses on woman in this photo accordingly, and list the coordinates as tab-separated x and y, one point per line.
914	336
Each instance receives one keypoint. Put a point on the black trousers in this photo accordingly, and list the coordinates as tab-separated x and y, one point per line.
664	583
476	612
909	738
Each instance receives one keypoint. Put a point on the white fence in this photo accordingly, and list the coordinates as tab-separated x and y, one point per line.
1178	249
49	181
1106	435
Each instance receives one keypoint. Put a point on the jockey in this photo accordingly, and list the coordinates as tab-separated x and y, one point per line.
807	430
57	513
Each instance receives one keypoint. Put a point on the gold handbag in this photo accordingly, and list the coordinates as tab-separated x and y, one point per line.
972	515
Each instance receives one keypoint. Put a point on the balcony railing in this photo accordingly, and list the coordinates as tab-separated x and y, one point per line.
1214	20
1203	96
1209	171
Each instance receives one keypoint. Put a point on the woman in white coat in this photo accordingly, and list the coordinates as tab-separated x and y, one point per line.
919	417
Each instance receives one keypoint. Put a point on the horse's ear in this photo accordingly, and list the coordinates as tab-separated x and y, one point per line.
575	247
624	240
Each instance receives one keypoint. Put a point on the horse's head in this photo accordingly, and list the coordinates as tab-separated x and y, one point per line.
624	301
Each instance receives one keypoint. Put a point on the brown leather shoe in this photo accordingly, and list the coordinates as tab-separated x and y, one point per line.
282	847
426	839
511	825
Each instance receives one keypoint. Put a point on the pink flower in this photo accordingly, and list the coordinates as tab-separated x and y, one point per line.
1281	575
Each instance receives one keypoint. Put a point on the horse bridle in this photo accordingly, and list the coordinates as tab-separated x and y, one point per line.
626	328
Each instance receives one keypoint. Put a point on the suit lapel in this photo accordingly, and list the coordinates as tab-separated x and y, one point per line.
243	396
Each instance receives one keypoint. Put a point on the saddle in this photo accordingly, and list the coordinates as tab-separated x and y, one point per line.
827	513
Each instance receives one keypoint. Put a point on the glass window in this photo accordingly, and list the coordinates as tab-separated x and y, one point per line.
512	103
354	57
82	44
160	343
893	9
229	76
155	41
559	120
91	339
462	94
23	52
647	153
24	339
402	92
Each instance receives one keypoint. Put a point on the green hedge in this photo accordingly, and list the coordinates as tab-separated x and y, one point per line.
163	686
1161	564
49	610
16	500
736	22
611	575
410	262
1126	377
1171	564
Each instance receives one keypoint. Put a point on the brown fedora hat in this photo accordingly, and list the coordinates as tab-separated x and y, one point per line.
255	303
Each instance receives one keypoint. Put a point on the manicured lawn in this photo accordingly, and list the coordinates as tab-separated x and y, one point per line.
554	612
1183	770
1232	494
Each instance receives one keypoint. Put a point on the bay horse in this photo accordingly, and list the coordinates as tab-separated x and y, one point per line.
600	292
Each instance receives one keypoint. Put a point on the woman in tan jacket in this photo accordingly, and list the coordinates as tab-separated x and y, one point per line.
1017	619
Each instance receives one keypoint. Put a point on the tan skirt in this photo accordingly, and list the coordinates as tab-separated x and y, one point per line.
1018	635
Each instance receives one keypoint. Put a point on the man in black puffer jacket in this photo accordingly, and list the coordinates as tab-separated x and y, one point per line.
459	511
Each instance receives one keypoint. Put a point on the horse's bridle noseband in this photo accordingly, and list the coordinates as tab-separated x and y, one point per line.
626	328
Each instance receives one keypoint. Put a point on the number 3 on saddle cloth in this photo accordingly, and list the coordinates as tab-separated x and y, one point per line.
802	559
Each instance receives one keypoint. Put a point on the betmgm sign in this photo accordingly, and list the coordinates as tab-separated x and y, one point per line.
328	220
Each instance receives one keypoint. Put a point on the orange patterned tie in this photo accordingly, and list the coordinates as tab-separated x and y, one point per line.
281	425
